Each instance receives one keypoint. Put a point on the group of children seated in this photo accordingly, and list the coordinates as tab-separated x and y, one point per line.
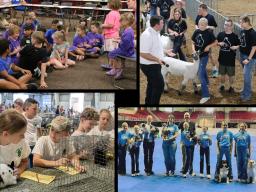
49	150
27	51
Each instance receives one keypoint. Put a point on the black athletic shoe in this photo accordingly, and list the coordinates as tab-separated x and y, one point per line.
222	88
32	86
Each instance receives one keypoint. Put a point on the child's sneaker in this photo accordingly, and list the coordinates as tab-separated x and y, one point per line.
106	66
208	176
133	175
137	174
201	175
204	100
193	174
112	72
184	175
167	174
119	74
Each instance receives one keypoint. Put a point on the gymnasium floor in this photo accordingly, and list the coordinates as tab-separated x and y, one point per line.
160	183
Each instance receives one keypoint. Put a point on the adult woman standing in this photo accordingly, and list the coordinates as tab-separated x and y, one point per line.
169	135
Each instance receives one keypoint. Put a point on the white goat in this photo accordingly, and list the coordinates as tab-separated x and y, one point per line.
166	42
177	67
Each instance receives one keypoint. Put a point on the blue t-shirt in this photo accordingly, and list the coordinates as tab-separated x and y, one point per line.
138	139
5	65
123	136
225	138
147	134
171	130
184	137
205	140
242	139
48	35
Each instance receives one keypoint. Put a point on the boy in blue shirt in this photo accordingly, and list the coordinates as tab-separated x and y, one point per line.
224	147
123	137
49	33
169	135
134	149
205	141
149	135
242	152
189	143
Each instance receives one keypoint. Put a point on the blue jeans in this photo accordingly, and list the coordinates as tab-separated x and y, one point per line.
248	71
122	159
203	76
242	161
169	150
189	159
134	153
224	151
152	11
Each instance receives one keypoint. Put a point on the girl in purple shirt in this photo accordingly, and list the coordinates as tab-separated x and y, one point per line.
14	33
125	48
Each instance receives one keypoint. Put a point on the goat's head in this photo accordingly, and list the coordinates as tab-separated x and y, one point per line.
196	55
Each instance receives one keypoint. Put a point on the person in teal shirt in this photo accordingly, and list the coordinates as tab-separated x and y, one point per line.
123	138
224	147
242	151
170	132
205	141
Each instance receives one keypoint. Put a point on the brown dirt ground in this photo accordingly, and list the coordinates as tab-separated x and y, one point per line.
188	96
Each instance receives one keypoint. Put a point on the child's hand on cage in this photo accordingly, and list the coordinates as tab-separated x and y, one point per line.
62	161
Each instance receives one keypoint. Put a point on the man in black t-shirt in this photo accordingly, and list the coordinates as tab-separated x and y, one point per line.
229	43
203	12
247	56
192	130
153	5
164	10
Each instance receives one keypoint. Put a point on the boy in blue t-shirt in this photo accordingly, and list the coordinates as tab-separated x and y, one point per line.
169	135
189	143
224	147
205	141
242	152
134	149
123	137
49	33
8	78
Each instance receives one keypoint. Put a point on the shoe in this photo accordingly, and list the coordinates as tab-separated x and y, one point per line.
201	175
193	174
151	173
230	180
106	66
231	90
222	88
37	72
119	74
208	176
184	175
238	180
204	100
137	174
148	174
167	174
242	181
133	175
215	73
32	86
112	72
171	173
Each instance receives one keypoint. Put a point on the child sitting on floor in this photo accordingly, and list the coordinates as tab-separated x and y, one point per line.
50	32
14	33
59	57
126	46
29	21
26	40
13	147
11	23
8	79
54	150
35	21
79	44
95	39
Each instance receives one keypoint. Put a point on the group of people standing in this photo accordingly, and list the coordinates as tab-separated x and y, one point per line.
147	133
203	41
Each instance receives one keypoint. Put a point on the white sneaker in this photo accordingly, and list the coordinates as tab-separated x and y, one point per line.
208	176
133	175
204	100
184	175
137	174
193	174
201	175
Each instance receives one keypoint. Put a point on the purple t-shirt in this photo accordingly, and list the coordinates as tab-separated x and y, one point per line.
94	39
5	65
80	41
127	42
13	45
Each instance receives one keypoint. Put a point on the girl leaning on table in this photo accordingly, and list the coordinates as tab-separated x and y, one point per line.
13	148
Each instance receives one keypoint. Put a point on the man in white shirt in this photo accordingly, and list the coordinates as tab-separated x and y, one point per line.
33	126
151	55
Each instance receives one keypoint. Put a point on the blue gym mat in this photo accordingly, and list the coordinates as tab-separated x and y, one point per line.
159	182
